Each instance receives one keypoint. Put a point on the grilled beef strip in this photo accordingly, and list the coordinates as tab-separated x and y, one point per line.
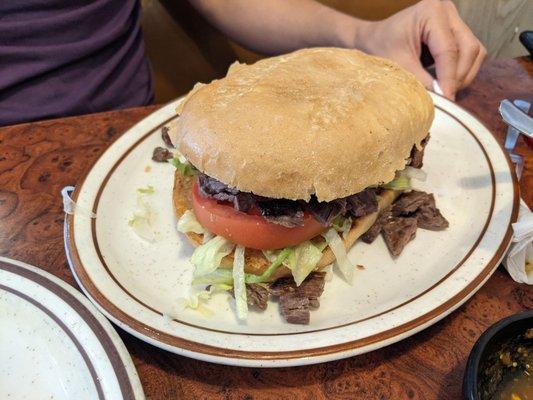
410	202
281	286
257	295
422	206
362	203
282	212
295	309
295	301
418	155
428	217
325	212
311	287
210	187
371	234
290	213
166	137
161	154
398	223
397	232
243	201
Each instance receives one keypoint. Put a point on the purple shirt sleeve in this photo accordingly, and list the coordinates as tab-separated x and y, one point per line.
70	57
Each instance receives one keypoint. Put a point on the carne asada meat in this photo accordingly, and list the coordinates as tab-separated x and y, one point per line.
282	286
418	155
429	217
282	212
295	301
399	222
422	206
357	205
243	201
362	203
311	287
397	232
257	295
370	235
410	202
210	187
290	213
326	211
294	308
166	137
161	154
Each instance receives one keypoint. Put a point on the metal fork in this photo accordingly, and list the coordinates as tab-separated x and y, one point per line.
512	132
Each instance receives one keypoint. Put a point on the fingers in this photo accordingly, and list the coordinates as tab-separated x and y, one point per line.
437	34
471	51
475	67
414	66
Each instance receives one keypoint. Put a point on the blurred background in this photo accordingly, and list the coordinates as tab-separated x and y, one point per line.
184	49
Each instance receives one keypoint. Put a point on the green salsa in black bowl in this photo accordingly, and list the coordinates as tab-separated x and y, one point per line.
500	365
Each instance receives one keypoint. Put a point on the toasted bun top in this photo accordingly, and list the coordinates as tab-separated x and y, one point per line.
326	121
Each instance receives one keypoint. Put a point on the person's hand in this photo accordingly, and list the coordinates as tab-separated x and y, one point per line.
458	54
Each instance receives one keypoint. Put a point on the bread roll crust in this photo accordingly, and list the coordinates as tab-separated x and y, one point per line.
323	121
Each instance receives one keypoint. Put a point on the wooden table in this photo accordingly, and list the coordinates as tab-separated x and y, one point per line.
38	159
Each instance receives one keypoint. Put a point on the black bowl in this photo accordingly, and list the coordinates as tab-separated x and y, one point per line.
489	344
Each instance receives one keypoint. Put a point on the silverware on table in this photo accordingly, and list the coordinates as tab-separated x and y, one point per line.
515	115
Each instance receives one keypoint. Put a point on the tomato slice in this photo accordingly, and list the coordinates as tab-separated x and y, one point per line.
250	230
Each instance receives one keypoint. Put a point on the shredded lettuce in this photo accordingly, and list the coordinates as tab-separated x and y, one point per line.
146	190
207	236
239	285
207	257
196	300
302	260
189	223
224	276
280	258
415	173
328	269
220	276
185	168
400	182
321	244
271	255
143	219
220	287
337	247
342	224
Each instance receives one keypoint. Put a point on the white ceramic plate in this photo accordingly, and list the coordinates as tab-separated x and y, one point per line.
55	345
134	282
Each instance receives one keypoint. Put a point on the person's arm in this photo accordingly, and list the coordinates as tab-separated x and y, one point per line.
280	26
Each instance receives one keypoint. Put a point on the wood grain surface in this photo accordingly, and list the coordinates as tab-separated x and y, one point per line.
38	159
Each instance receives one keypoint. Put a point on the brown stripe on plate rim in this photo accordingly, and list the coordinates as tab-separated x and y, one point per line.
95	326
188	345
